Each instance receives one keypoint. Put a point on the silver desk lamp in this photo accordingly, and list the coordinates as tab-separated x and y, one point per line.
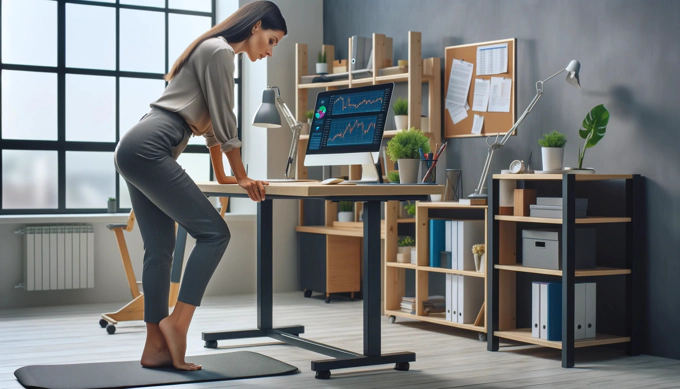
268	116
572	78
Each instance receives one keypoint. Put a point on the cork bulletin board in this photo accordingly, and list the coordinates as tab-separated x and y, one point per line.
494	122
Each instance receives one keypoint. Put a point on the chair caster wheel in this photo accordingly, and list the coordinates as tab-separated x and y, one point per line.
323	374
308	293
402	366
103	323
482	337
210	344
328	300
111	329
392	319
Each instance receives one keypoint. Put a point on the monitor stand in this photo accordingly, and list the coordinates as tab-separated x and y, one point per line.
369	172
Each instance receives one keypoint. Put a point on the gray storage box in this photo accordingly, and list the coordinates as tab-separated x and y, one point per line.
543	248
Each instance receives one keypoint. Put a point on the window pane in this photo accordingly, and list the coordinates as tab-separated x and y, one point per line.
29	32
29	179
84	48
90	108
104	1
191	5
197	166
146	3
142	41
124	200
225	8
135	96
29	105
183	30
90	179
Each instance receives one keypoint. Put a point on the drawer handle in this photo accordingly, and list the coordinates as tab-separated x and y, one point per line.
540	244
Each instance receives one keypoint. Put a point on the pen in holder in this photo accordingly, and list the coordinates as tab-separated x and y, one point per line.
424	167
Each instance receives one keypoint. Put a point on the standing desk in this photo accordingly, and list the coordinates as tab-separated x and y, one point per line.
372	196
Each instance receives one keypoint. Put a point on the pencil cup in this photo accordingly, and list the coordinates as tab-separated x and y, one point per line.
422	171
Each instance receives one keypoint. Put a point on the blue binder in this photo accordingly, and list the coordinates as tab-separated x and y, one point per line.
554	325
437	241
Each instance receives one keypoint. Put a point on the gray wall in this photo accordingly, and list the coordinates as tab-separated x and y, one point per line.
629	54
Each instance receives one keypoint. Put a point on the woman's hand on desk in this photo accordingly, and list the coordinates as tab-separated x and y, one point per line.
255	188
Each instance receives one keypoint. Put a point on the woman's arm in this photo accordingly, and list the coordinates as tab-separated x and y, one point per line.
255	188
218	166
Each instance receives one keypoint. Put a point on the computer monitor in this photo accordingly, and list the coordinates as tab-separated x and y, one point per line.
347	128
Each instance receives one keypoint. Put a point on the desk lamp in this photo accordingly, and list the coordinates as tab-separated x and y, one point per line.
268	116
572	78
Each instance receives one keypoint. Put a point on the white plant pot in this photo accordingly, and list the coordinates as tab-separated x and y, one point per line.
414	257
401	121
424	124
575	170
404	254
346	216
321	68
305	129
552	158
408	170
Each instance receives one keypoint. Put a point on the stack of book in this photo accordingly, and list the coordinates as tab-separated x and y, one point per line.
434	304
408	305
551	207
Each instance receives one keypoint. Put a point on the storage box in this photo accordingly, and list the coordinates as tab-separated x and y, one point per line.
543	248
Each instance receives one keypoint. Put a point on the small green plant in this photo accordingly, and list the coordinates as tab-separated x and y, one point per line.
410	208
400	107
406	144
393	176
346	206
112	199
594	127
321	58
406	241
553	139
309	114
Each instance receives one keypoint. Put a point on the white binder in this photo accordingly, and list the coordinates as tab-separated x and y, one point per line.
453	236
470	232
535	309
579	310
448	296
470	298
543	311
453	296
591	302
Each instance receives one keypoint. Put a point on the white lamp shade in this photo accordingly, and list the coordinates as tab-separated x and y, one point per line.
573	70
267	115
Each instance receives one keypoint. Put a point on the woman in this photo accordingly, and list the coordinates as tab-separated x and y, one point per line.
198	100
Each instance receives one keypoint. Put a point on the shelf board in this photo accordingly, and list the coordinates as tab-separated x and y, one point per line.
401	77
436	320
470	273
524	335
547	177
341	231
401	265
447	205
586	220
596	272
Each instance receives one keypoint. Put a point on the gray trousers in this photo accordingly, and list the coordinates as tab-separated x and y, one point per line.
162	193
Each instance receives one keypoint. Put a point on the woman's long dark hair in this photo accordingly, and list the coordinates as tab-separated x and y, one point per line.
236	28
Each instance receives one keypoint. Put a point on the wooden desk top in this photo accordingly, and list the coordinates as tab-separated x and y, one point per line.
315	189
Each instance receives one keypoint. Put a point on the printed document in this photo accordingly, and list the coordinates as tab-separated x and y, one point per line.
477	124
492	59
499	100
458	90
481	98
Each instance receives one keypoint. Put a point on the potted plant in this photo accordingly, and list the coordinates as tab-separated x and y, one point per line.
404	250
346	213
404	149
305	126
552	150
112	205
310	115
393	176
478	251
321	65
594	127
400	109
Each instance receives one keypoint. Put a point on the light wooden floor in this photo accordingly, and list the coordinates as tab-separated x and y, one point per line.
446	357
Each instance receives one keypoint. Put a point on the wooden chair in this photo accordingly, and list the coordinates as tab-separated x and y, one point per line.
134	310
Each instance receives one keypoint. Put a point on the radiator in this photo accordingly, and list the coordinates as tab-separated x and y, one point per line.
58	257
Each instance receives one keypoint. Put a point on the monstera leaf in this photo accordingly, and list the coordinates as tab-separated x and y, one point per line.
594	127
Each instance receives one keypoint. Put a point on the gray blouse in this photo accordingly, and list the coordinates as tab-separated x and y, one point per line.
203	94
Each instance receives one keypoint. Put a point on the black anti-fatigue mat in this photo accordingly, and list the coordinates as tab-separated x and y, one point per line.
225	366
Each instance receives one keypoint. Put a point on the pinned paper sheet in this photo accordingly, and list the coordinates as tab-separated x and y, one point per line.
481	98
492	59
458	90
477	124
499	99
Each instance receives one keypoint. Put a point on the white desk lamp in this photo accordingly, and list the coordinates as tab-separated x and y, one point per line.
572	78
268	116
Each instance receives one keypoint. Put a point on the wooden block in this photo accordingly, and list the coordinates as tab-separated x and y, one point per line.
524	198
508	211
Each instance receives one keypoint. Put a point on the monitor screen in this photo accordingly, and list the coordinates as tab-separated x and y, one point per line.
349	120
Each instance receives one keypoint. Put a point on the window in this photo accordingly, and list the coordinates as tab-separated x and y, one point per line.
76	75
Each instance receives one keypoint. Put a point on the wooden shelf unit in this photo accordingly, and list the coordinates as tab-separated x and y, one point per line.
502	260
395	277
420	71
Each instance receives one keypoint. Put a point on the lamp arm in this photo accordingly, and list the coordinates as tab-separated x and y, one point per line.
295	127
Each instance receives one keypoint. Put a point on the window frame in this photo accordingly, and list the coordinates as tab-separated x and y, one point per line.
61	146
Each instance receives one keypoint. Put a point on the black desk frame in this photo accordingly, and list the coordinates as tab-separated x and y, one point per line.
290	334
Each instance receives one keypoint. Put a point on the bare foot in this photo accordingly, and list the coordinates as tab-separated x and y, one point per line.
154	356
176	340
